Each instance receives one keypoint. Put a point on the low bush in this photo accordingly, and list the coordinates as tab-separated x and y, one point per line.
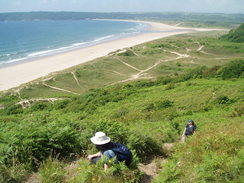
13	109
52	170
37	141
233	69
223	100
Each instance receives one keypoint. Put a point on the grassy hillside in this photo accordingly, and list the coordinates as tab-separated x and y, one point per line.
235	35
50	131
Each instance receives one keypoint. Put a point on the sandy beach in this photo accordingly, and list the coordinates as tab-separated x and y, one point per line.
14	75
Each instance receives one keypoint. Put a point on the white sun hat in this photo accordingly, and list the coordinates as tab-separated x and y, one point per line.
100	138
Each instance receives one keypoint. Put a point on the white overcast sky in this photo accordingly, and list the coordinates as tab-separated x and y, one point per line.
212	6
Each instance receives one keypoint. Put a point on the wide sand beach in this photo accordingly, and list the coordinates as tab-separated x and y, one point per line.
16	74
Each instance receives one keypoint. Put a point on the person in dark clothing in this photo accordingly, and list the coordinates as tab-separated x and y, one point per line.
109	150
189	129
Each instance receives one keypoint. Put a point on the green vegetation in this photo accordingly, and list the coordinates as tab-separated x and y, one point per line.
235	35
52	136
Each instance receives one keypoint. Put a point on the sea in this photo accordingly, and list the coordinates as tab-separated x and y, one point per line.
26	40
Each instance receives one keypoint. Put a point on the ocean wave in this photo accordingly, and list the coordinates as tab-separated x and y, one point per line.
103	38
13	60
16	57
56	50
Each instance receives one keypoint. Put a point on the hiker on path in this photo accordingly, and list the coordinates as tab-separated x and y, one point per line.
189	129
109	150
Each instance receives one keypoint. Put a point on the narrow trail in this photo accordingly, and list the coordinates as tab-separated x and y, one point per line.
47	79
200	49
118	73
142	72
34	178
128	64
149	170
179	54
134	52
60	89
18	93
75	78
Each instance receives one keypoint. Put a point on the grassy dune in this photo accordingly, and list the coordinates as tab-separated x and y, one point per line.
165	57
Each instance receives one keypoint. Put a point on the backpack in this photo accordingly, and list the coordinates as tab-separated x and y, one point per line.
122	152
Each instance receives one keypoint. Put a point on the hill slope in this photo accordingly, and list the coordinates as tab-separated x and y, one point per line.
142	115
235	35
45	134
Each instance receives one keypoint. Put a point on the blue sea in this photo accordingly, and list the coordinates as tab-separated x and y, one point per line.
21	40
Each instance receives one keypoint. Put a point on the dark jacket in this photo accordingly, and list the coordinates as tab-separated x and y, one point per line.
190	129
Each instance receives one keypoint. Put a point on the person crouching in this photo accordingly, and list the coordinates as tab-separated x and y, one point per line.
109	150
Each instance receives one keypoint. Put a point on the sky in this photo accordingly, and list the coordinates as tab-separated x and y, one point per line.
210	6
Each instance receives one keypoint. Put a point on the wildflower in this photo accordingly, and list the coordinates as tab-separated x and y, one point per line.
109	161
93	179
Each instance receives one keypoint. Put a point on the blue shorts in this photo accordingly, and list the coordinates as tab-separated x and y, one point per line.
109	154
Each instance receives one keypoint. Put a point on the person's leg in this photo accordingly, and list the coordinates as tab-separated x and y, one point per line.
109	154
95	160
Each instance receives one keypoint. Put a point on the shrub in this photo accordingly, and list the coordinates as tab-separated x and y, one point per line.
116	173
169	174
163	104
35	142
14	174
223	100
61	104
237	111
233	69
39	106
194	73
52	170
13	109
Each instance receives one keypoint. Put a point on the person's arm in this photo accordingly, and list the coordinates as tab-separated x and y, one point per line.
99	154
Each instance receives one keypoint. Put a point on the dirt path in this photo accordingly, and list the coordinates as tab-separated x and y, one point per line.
179	54
34	178
134	52
149	170
75	78
27	103
60	89
131	66
142	72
